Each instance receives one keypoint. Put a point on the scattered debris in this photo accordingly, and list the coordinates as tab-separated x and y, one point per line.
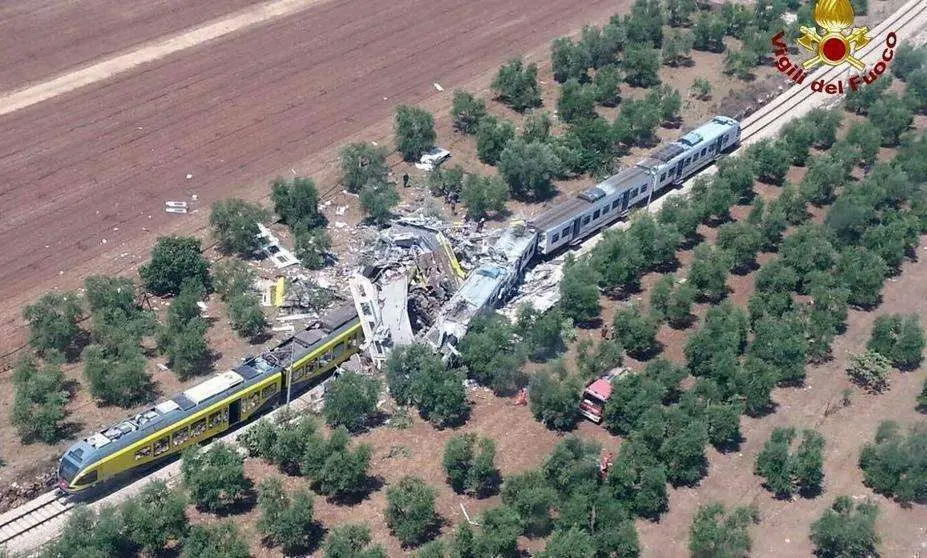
438	86
270	246
189	176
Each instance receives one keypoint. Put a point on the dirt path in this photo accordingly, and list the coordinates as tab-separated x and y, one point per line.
110	67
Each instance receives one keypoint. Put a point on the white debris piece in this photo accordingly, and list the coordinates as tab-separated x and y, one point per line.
189	176
395	300
432	159
438	87
364	294
270	246
341	210
340	225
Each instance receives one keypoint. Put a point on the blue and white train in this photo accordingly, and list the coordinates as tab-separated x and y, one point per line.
672	164
577	218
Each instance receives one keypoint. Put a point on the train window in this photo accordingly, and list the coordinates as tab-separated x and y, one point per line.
596	214
160	446
338	349
634	193
268	391
565	232
198	427
615	204
180	436
703	152
586	220
216	419
87	478
662	177
142	453
555	238
252	401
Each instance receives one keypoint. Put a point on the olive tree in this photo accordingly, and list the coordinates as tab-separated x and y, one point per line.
899	338
415	132
39	400
846	529
351	400
517	85
362	164
215	477
718	533
175	260
467	111
155	517
469	464
234	224
410	511
895	464
286	520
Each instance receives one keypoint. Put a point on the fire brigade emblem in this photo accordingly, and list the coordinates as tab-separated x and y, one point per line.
837	42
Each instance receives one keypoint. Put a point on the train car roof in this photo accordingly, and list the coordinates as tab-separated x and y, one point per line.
706	133
196	398
571	208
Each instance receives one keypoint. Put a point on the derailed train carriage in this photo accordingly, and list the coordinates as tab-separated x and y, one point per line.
575	219
213	406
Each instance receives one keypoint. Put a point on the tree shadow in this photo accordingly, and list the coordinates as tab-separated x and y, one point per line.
746	268
682	324
692	242
78	343
767	410
670	266
649	353
260	338
731	445
440	522
370	485
458	421
314	535
868	307
908	367
243	504
810	491
715	222
69	430
590	324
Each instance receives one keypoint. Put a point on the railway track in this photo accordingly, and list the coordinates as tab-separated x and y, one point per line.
27	518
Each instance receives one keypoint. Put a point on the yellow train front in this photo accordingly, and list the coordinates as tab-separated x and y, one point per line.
213	406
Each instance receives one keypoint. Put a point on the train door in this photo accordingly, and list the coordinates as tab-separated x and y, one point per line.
624	200
576	227
235	412
718	144
678	170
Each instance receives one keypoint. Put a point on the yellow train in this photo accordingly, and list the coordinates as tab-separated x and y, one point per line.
213	406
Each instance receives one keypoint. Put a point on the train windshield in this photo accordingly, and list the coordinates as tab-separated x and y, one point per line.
67	469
